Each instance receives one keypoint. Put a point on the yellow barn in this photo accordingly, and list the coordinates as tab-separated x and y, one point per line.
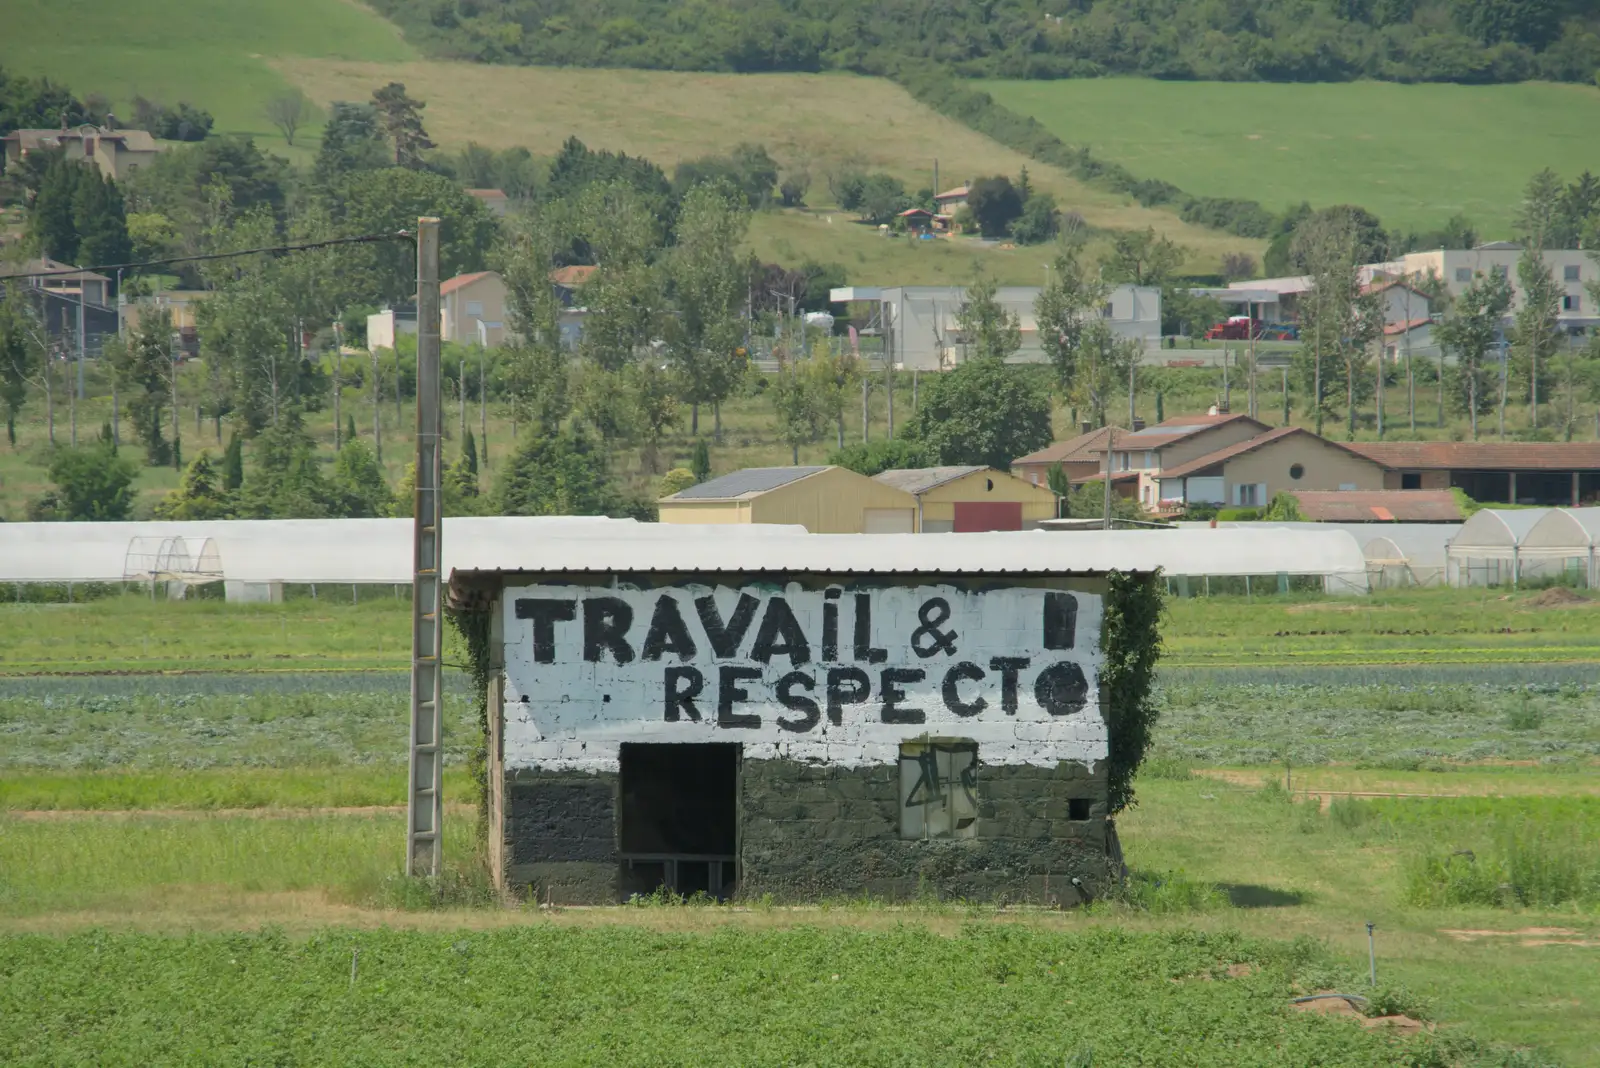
824	500
967	499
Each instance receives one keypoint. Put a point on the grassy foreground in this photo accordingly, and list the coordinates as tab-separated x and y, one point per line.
631	996
1413	154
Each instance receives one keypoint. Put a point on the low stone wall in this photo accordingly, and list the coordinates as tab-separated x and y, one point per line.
561	836
815	831
810	831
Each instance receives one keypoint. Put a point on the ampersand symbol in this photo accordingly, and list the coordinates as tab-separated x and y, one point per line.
933	613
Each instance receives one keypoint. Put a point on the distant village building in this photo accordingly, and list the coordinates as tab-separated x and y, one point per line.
493	199
823	500
115	153
920	328
62	294
1080	458
472	309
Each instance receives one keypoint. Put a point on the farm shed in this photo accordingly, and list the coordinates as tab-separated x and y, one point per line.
1487	550
824	500
798	715
967	500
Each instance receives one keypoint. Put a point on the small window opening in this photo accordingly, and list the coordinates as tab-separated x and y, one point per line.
939	788
679	818
1411	480
1297	470
1078	807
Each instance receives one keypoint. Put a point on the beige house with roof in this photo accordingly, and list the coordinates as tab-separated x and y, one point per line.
115	153
473	309
1139	459
1248	474
967	499
1079	457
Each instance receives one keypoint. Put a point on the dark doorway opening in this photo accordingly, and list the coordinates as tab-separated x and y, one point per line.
680	818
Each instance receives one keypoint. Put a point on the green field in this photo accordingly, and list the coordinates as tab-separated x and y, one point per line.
212	53
180	767
1413	154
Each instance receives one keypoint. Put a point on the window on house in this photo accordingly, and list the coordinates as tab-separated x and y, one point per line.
475	308
1463	275
1105	310
1501	270
1248	496
1570	273
1297	471
1571	303
939	788
1079	808
1149	460
1411	480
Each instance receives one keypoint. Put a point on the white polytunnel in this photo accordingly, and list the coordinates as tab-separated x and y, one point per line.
1487	550
264	553
1564	541
1397	554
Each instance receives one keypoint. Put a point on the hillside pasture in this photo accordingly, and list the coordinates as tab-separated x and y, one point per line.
212	53
1413	154
821	122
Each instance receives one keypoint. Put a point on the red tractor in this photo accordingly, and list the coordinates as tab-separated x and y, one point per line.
1237	328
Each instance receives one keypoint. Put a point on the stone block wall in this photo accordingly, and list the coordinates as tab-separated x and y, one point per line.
561	836
813	831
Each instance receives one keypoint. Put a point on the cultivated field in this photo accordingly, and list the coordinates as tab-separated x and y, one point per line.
1413	154
237	769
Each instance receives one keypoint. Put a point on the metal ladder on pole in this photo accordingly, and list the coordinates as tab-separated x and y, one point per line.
425	803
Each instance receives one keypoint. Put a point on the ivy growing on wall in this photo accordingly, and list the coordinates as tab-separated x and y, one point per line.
473	626
1130	644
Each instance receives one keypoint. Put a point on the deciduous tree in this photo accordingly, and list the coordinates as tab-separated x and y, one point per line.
1470	330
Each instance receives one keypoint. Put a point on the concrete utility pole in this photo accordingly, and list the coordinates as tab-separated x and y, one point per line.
425	808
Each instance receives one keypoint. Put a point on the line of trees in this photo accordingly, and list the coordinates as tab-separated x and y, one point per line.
1471	41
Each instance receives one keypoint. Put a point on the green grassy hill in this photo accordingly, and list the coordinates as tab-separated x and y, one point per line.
1414	154
212	53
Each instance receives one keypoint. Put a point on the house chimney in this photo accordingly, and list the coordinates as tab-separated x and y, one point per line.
1138	424
1085	427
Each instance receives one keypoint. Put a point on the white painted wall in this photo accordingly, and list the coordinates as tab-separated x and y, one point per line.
570	707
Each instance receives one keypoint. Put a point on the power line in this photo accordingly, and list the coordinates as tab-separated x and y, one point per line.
365	239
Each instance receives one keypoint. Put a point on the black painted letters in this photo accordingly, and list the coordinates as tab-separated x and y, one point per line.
797	703
894	709
730	693
545	613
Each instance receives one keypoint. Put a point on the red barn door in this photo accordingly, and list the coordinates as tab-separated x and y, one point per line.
973	516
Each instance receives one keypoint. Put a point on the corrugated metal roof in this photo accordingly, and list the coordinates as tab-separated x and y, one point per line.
751	480
919	480
728	549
